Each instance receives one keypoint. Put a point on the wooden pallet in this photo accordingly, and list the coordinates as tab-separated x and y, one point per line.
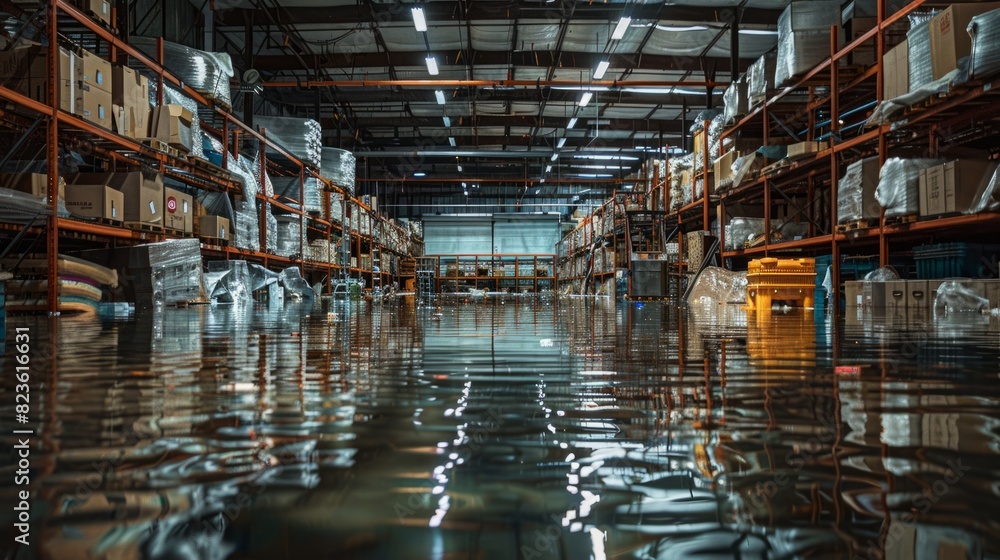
214	241
143	226
902	219
108	222
856	225
177	232
164	148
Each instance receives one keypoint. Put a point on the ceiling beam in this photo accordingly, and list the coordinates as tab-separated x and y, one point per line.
450	11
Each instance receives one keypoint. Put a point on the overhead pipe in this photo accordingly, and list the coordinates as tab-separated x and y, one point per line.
499	154
520	181
490	83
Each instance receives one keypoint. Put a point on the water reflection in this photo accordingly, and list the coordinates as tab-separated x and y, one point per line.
526	428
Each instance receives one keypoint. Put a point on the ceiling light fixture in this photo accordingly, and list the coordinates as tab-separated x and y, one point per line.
460	170
571	123
757	32
681	28
561	143
439	95
451	141
585	98
447	121
548	169
432	65
620	29
602	68
554	157
419	174
419	22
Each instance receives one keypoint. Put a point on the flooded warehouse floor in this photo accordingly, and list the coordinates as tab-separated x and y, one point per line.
521	429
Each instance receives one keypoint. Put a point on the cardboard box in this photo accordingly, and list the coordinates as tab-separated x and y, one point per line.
992	288
143	196
100	9
896	71
864	54
95	201
895	293
699	141
172	124
952	186
130	95
723	167
178	210
215	227
950	42
806	148
34	183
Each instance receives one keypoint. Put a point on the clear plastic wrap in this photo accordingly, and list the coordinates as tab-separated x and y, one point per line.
734	101
705	115
919	53
856	191
206	72
985	199
230	282
295	285
899	185
256	169
261	277
890	108
790	231
271	233
884	274
985	32
760	78
717	286
745	167
245	226
17	207
172	96
804	37
288	187
339	167
303	138
290	236
956	296
743	232
166	273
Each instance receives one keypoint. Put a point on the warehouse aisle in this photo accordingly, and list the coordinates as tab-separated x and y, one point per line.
524	428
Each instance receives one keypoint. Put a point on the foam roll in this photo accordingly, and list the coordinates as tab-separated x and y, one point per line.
339	167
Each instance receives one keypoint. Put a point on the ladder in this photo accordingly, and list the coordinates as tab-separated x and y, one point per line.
341	287
376	270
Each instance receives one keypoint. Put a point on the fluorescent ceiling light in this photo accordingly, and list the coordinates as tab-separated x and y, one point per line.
554	157
451	141
571	123
548	169
585	98
432	65
542	181
681	28
418	19
447	121
605	157
757	32
561	143
464	186
619	31
582	88
419	174
667	91
599	167
460	169
602	68
594	175
439	95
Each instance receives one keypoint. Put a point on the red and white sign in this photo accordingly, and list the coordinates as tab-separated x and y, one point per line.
171	204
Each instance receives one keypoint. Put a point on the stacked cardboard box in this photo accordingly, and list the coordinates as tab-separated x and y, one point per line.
171	124
90	195
178	210
130	102
951	187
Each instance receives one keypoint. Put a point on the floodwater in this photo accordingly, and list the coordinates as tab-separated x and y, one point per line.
520	429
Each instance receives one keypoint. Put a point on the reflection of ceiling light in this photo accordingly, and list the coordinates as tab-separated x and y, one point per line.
757	32
418	19
571	123
439	95
602	68
419	174
451	141
447	121
681	28
585	98
432	65
561	143
620	29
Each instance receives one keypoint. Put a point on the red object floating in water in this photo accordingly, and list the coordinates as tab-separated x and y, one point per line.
847	370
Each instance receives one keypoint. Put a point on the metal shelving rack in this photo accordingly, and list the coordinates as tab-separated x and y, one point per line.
467	271
120	150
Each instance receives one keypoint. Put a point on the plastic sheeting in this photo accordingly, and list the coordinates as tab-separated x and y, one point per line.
790	231
230	282
919	54
705	115
985	32
295	285
288	187
717	285
290	237
804	37
303	138
245	226
204	71
734	100
167	272
743	167
760	78
741	232
888	109
898	188
986	198
17	207
339	166
850	191
955	296
884	274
